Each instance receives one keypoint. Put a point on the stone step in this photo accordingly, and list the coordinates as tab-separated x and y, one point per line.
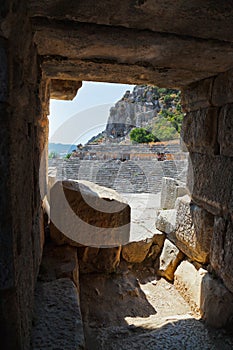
129	176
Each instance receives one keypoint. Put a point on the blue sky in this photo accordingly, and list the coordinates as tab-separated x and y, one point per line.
78	120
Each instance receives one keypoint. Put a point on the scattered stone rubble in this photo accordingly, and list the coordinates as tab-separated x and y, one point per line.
187	252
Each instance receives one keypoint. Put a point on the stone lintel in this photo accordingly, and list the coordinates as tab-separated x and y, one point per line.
159	51
115	72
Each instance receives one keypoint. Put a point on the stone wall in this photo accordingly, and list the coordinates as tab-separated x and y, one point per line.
207	132
23	132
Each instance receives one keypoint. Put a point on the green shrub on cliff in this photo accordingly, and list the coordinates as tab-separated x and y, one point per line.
141	135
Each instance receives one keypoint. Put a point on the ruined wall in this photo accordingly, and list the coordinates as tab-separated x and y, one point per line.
23	134
207	132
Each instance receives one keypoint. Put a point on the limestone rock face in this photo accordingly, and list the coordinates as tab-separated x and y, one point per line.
188	281
221	256
169	260
194	229
136	252
83	213
134	109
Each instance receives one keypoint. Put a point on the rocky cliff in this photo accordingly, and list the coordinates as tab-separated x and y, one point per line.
146	107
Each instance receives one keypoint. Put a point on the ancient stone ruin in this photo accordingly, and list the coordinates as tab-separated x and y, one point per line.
46	49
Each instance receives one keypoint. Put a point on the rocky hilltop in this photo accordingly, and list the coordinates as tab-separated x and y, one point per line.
158	110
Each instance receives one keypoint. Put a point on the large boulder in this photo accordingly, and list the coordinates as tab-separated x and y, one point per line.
86	214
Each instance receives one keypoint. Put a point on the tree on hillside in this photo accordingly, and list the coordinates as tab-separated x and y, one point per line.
141	135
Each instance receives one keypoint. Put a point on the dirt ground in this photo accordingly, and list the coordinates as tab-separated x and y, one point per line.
136	310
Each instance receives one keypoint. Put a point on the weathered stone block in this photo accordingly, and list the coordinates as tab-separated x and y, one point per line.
221	256
58	320
222	92
171	189
83	213
225	130
199	130
99	259
166	220
136	252
210	182
188	281
197	95
205	294
59	262
216	302
193	230
169	259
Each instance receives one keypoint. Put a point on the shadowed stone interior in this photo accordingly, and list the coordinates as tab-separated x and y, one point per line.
186	45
